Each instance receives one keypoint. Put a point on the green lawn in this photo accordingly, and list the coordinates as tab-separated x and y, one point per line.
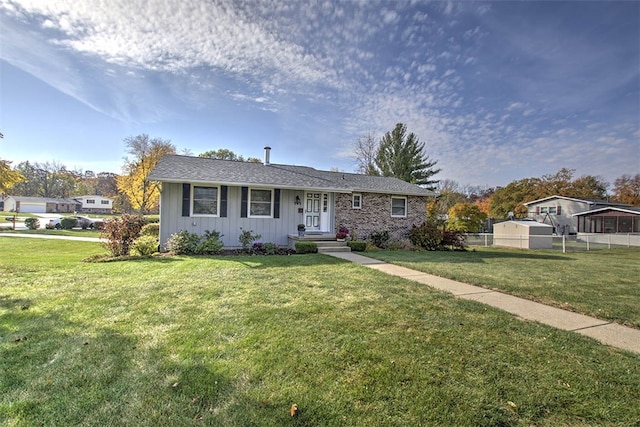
75	232
235	341
603	283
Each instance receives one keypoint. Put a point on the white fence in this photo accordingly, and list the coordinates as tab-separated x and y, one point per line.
572	243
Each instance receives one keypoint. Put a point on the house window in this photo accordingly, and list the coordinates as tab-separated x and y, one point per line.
91	202
552	210
548	209
104	202
260	203
356	201
399	207
205	201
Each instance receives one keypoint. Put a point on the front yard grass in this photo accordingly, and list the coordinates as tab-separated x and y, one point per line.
235	341
604	283
75	232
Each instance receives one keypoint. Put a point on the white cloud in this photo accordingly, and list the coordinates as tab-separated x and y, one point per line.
348	66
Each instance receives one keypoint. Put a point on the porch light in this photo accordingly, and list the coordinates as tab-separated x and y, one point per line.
297	200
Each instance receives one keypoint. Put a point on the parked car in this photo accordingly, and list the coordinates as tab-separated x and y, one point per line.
85	222
54	223
81	221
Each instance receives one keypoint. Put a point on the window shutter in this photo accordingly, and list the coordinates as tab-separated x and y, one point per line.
276	203
244	199
186	199
558	211
537	210
223	201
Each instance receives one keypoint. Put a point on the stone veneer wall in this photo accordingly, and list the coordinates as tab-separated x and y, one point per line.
375	215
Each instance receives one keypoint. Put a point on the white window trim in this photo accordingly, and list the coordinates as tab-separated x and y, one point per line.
193	200
353	201
406	207
249	203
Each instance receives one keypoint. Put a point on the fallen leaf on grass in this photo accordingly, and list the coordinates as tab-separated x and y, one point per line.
294	410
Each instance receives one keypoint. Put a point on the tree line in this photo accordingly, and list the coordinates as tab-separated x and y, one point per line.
131	191
398	153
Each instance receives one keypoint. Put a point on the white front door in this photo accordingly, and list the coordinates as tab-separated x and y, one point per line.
317	211
312	210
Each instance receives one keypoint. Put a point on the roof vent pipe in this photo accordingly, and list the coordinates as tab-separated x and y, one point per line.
267	154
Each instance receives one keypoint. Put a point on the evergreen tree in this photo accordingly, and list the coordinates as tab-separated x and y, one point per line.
402	155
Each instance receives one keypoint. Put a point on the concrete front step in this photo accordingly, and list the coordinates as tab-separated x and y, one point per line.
329	243
333	249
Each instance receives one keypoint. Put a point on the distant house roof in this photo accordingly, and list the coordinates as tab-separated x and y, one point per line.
42	200
175	168
587	201
92	195
630	210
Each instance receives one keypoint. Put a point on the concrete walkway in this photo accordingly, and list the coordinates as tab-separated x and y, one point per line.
606	332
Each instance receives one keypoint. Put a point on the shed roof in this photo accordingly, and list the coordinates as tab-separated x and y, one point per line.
525	223
177	168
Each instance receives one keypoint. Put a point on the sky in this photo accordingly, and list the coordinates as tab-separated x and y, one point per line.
497	91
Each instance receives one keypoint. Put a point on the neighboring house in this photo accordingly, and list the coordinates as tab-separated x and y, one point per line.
40	205
612	219
95	204
200	194
559	211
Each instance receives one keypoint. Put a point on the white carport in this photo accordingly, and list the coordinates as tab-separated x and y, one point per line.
523	234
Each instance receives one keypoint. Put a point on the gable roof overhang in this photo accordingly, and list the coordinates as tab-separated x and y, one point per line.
590	202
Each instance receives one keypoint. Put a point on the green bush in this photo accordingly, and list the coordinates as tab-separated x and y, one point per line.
32	223
270	248
151	229
145	245
210	243
357	245
83	223
306	247
185	243
67	223
427	236
379	239
430	237
247	238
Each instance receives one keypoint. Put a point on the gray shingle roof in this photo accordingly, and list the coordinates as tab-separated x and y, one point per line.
175	168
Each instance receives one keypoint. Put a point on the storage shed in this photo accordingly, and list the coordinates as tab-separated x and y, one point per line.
523	234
